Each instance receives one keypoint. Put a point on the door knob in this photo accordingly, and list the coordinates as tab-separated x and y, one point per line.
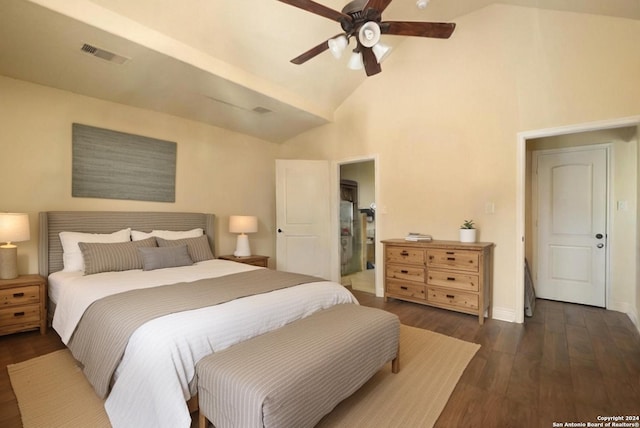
599	236
279	230
600	245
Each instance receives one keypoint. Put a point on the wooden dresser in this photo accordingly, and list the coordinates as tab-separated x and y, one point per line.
447	274
23	304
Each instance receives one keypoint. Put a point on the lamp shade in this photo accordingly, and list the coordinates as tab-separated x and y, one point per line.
381	51
14	227
369	34
338	45
355	61
243	224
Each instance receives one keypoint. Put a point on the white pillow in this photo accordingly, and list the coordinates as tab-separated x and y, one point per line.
169	235
72	256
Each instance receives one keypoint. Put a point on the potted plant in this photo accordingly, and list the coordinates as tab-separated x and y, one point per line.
468	231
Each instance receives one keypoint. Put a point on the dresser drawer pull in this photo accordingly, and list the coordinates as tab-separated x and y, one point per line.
404	271
451	258
450	296
450	278
404	288
18	294
404	253
450	252
18	314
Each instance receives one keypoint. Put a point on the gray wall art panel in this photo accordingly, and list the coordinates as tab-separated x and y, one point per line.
114	165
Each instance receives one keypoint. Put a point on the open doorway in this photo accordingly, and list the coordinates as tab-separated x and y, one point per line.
358	225
622	138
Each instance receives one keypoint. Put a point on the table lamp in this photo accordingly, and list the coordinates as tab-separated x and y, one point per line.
14	227
243	224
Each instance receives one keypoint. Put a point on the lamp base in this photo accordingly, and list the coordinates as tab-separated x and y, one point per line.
242	246
8	262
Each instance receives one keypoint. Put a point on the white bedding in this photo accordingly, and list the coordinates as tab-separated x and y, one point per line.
153	380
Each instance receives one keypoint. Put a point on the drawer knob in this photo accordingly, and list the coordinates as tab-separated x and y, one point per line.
451	258
449	278
18	294
450	296
404	288
18	314
404	271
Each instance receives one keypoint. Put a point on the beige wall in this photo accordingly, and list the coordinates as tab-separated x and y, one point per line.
443	117
218	171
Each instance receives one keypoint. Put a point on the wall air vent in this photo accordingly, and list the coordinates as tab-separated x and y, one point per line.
103	54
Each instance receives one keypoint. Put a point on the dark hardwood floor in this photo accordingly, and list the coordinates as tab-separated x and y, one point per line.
568	363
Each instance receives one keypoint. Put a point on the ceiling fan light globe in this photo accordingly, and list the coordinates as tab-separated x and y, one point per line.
337	46
381	51
369	34
355	62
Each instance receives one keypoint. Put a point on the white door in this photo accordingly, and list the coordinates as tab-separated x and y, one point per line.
303	221
572	225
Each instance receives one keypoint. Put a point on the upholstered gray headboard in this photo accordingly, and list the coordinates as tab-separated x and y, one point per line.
54	222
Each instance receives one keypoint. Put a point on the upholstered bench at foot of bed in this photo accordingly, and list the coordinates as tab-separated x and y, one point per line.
293	376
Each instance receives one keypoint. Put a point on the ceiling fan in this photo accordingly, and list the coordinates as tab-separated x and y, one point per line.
362	19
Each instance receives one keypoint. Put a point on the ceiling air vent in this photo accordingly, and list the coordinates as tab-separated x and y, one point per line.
103	54
261	110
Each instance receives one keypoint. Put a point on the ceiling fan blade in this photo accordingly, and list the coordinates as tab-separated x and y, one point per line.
379	5
371	65
311	53
318	9
439	30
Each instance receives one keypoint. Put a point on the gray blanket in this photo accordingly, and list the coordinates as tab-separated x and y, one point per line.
103	332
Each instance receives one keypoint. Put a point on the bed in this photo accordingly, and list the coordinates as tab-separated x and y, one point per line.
154	376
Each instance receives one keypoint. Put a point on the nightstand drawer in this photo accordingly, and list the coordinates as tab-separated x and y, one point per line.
408	273
456	280
453	298
453	259
20	295
414	256
406	289
20	315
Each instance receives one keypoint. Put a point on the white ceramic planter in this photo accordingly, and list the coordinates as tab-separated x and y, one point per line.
467	235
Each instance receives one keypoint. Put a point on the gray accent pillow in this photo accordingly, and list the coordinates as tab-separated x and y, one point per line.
198	248
164	257
101	257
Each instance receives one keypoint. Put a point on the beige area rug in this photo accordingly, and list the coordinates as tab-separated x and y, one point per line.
53	392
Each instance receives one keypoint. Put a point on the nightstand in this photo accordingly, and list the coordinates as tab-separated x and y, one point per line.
23	304
254	260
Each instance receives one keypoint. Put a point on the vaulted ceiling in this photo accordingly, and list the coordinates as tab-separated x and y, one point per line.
222	62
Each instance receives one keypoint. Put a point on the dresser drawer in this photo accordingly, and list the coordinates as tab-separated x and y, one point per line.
414	256
453	259
20	315
407	273
19	295
453	298
455	280
406	289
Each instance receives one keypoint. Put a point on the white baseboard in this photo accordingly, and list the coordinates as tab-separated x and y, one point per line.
628	309
504	314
